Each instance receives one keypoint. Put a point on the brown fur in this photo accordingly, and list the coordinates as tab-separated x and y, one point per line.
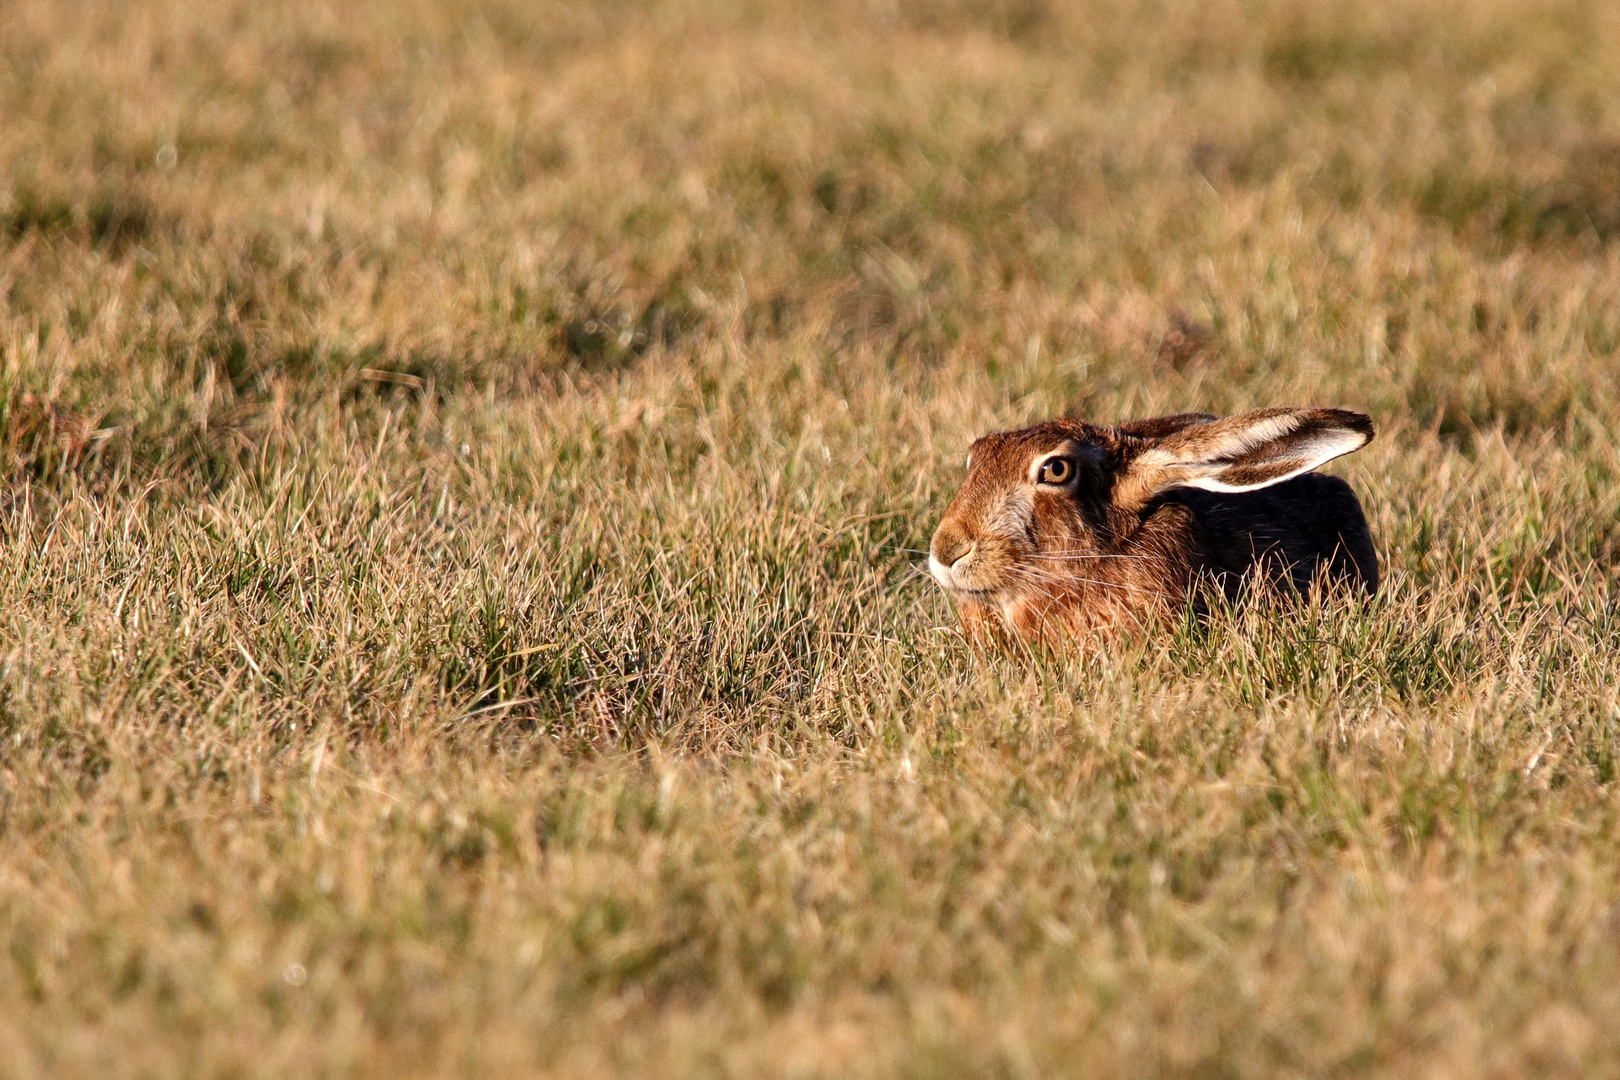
1130	535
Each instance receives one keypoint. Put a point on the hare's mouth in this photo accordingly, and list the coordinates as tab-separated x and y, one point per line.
947	581
965	578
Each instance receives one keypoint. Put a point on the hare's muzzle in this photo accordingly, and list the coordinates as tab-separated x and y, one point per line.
950	551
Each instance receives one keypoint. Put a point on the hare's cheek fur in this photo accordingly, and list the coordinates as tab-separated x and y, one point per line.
1014	522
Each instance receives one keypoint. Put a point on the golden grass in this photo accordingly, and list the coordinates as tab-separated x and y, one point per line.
463	472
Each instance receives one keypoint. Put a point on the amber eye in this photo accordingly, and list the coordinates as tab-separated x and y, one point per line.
1057	471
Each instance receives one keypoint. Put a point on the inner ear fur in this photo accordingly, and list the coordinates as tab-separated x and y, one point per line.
1239	453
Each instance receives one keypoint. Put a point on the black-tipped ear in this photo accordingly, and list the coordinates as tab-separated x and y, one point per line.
1245	452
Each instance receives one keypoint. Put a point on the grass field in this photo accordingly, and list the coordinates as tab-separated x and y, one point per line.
462	474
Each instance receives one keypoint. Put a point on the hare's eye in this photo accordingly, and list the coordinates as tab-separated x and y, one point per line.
1057	471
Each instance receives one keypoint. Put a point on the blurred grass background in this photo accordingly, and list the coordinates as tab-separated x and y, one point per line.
463	472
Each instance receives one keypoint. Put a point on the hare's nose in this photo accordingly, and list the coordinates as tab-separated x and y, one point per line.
950	550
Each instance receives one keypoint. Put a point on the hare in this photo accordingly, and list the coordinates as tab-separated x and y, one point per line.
1072	528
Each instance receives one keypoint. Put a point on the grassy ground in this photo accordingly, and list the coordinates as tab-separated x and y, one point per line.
463	469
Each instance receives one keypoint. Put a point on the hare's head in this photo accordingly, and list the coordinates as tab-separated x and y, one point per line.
1043	511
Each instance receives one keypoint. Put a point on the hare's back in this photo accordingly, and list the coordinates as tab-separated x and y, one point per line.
1300	527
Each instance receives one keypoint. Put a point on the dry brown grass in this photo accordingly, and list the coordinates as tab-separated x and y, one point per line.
462	472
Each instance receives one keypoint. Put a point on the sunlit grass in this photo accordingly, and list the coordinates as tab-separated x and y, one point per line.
465	473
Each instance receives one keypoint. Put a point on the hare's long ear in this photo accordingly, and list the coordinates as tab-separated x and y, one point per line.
1159	426
1241	453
